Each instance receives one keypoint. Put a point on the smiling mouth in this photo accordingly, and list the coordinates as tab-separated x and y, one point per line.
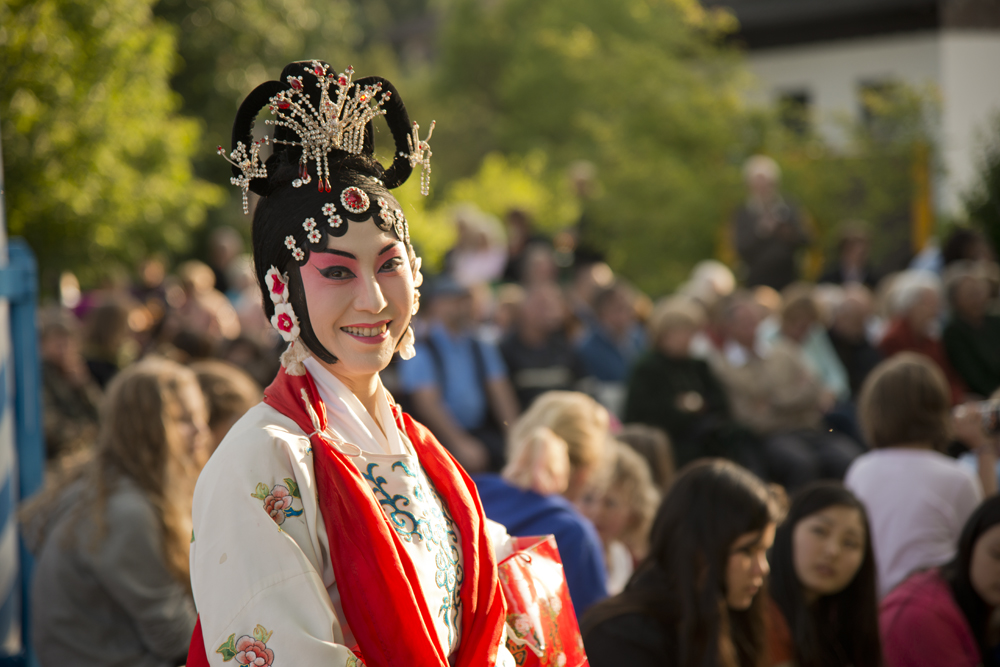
366	332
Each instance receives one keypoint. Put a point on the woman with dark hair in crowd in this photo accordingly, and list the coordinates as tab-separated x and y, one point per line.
942	617
824	604
694	600
111	535
329	527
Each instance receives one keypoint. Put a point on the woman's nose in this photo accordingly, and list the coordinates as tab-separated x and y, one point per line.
371	298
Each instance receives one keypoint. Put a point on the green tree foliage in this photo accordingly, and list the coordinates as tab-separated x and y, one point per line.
982	203
97	160
643	89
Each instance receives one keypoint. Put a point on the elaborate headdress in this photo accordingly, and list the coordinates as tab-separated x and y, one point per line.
323	134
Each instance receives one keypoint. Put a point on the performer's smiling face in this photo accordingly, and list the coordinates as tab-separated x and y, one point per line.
359	292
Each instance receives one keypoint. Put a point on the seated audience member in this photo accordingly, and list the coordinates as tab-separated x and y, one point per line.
653	445
70	396
944	617
800	327
972	336
621	508
774	393
917	498
852	265
915	311
530	496
679	394
848	334
538	354
695	600
229	392
457	383
111	537
824	601
612	343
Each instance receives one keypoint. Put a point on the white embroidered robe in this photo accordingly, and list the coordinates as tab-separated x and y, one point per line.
260	565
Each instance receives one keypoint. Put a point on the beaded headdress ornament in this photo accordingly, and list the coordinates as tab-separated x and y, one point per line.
320	116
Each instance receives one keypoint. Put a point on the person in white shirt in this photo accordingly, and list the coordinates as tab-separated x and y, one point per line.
918	499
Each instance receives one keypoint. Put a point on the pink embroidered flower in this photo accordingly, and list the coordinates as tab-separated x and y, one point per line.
275	504
249	651
555	603
277	285
522	625
285	322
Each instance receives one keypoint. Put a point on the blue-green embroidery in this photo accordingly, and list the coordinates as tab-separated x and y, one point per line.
435	529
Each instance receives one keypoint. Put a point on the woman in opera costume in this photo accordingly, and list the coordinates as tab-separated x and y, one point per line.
329	527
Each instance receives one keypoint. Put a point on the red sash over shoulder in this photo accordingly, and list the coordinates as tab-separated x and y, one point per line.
379	589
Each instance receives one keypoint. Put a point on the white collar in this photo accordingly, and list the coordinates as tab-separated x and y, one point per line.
348	418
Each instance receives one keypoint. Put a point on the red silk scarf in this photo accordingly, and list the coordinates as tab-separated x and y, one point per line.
379	589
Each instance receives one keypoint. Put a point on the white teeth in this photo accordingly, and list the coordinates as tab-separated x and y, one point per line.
366	332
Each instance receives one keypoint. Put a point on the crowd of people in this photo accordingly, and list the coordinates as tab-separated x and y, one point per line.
753	470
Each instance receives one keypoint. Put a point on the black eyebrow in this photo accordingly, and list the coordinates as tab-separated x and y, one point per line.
387	248
339	252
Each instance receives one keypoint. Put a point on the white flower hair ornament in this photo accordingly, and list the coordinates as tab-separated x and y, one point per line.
286	322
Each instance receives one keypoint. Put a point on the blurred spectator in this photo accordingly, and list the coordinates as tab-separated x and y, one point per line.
621	509
775	394
848	334
696	597
972	336
538	264
206	311
917	498
229	392
260	361
852	264
612	343
457	384
679	394
944	617
480	251
225	245
70	396
915	308
520	234
800	326
538	354
510	297
530	497
588	246
588	280
768	232
710	281
111	537
965	243
653	445
109	344
824	601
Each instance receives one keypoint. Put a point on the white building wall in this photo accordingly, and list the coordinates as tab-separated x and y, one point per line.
963	66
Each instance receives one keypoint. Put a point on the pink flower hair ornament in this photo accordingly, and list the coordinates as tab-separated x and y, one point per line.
277	285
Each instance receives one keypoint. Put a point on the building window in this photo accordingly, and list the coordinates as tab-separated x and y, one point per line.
795	110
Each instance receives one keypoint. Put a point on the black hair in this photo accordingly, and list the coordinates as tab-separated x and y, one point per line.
839	629
295	191
681	584
956	573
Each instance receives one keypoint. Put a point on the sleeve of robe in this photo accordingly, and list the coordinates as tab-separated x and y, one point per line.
260	568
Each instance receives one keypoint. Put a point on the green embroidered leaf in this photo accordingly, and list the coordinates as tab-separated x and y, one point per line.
261	492
228	649
261	634
192	537
293	488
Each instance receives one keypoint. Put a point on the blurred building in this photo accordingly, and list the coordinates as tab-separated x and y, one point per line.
816	58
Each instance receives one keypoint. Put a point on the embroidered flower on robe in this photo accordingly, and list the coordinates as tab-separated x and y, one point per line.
278	499
248	649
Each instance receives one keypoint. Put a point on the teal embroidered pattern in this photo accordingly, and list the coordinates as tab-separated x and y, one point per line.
435	529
